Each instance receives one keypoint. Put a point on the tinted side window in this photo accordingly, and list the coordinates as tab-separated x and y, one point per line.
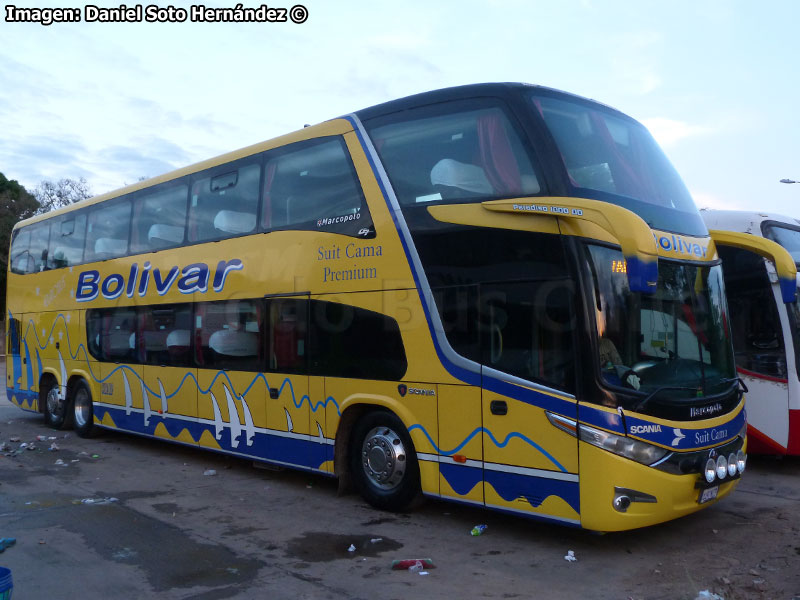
167	335
529	330
313	185
20	255
108	230
40	237
67	239
224	202
755	323
159	218
453	151
12	336
458	308
288	335
352	342
229	335
111	334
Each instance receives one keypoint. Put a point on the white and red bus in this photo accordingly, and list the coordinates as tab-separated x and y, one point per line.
759	254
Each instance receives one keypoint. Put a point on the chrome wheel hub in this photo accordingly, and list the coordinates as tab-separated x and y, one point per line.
83	408
384	458
53	402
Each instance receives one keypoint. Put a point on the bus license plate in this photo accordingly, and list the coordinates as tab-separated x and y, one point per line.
708	494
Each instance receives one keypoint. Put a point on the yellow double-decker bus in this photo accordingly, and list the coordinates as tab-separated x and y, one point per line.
496	294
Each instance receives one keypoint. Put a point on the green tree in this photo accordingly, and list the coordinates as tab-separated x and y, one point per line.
15	204
57	194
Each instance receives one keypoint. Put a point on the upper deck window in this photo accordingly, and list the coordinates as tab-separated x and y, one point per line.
108	230
448	152
610	157
224	202
313	186
159	218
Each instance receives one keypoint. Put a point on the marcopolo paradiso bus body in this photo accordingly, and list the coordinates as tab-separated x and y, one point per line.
499	294
760	252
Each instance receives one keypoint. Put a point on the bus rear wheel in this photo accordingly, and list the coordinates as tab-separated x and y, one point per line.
56	410
83	410
383	462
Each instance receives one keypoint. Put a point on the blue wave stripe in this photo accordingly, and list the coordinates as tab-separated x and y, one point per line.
495	441
510	486
306	453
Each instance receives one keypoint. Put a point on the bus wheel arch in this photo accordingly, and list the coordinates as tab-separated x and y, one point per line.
56	409
382	460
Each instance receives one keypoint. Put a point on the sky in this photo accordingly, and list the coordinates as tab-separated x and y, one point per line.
716	82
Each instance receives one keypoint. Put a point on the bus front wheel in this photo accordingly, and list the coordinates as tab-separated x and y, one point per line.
383	462
83	410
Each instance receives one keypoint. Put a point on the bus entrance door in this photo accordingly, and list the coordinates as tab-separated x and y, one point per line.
288	402
529	465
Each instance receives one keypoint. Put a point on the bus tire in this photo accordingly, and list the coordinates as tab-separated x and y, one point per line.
57	412
383	462
83	409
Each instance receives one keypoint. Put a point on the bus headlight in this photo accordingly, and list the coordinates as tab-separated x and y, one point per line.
732	465
741	461
711	470
641	452
722	467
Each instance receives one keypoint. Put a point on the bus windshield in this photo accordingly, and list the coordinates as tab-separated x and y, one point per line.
788	237
676	338
614	158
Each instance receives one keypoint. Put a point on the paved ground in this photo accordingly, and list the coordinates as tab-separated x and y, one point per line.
175	532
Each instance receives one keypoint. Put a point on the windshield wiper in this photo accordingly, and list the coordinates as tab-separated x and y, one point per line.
657	391
742	389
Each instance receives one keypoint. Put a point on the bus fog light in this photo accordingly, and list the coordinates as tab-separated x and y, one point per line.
741	461
711	470
732	465
722	467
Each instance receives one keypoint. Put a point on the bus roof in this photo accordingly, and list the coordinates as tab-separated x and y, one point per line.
502	90
475	90
745	221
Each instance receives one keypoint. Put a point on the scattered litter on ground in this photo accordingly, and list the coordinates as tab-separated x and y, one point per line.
478	529
7	543
54	447
707	595
570	557
13	439
209	472
352	548
95	456
61	463
375	540
99	500
416	567
406	563
41	438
